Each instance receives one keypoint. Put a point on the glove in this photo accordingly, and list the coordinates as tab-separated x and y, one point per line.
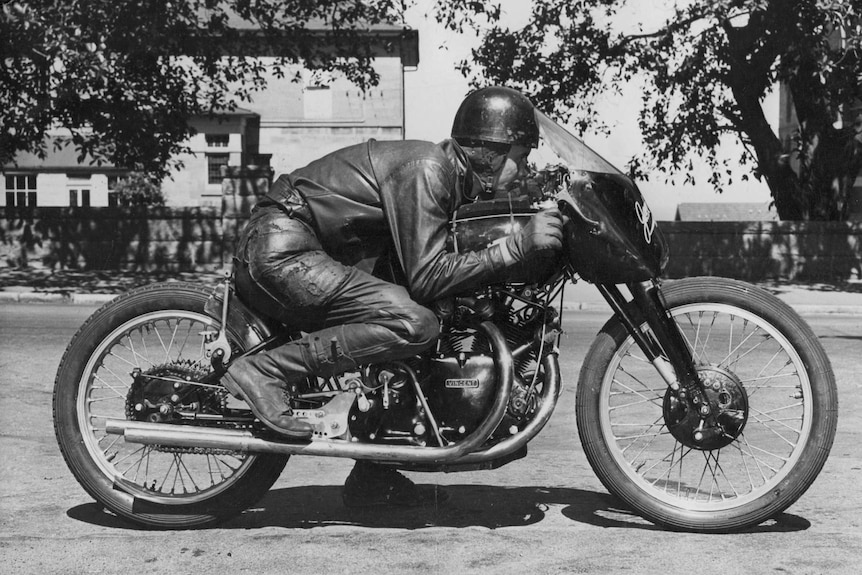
543	232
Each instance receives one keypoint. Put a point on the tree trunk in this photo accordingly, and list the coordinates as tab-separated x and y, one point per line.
750	61
773	162
830	160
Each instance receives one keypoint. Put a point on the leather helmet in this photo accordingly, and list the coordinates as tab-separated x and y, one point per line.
496	114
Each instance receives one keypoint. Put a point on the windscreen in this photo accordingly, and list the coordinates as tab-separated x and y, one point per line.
611	235
569	149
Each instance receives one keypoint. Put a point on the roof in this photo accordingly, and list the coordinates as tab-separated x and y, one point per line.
65	157
57	159
235	112
724	212
390	39
237	22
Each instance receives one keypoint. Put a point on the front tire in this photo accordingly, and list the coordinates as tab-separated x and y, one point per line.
157	330
774	372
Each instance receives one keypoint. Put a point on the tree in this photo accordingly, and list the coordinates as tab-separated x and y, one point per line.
139	189
124	77
705	71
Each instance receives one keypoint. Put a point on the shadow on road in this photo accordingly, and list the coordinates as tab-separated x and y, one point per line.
468	506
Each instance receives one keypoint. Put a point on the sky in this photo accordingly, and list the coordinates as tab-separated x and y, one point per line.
435	89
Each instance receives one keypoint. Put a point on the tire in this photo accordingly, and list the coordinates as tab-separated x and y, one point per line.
742	338
156	329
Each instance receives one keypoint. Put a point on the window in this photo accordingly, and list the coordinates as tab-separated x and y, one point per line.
214	164
21	190
317	94
114	181
21	182
218	140
21	199
85	198
317	102
113	197
79	189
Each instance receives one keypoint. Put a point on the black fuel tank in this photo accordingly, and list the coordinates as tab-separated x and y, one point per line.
479	225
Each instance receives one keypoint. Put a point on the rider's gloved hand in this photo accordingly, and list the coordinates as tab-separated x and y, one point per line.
544	232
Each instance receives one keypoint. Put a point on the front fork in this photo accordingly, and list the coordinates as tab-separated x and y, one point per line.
664	346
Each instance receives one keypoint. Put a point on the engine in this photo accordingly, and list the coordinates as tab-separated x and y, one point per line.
445	394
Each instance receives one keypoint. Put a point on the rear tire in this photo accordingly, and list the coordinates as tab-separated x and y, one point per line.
751	344
155	329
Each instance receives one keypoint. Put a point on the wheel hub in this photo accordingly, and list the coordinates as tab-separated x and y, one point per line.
728	403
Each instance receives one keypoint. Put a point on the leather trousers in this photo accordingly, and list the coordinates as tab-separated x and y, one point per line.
349	317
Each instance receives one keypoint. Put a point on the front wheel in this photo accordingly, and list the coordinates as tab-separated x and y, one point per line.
139	357
763	368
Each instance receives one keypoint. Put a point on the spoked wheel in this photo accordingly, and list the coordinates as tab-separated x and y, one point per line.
770	382
141	357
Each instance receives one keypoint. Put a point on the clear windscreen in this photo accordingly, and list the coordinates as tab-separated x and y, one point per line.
557	146
613	236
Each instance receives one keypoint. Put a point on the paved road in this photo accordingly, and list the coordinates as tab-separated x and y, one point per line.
543	514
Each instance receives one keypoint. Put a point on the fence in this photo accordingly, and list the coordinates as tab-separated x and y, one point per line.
814	251
202	239
138	239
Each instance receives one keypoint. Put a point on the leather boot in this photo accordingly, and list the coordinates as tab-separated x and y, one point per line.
263	379
266	395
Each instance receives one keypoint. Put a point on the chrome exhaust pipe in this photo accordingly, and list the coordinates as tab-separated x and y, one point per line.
243	441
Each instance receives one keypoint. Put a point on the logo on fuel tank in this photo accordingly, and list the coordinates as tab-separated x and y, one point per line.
462	383
647	220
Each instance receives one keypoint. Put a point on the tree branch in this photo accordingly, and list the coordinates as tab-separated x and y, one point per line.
669	28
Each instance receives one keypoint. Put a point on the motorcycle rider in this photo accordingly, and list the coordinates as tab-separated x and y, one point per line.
305	258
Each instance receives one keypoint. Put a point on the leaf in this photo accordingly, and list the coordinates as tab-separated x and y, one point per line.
711	62
114	66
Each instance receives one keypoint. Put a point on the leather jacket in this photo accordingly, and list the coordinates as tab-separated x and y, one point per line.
394	197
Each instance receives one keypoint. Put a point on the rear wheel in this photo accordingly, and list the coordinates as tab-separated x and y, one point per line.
135	359
766	373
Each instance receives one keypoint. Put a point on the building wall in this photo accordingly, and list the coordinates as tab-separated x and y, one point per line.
293	148
190	186
302	121
53	188
299	121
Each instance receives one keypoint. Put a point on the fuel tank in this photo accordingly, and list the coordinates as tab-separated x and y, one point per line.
611	236
479	225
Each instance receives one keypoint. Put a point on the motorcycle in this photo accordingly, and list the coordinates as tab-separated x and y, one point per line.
705	404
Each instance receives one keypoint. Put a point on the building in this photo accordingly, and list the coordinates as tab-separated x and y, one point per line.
58	180
285	126
724	212
292	123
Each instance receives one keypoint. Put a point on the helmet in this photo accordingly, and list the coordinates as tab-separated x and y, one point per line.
496	114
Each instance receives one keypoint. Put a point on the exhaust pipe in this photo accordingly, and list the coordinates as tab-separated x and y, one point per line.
243	441
550	394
